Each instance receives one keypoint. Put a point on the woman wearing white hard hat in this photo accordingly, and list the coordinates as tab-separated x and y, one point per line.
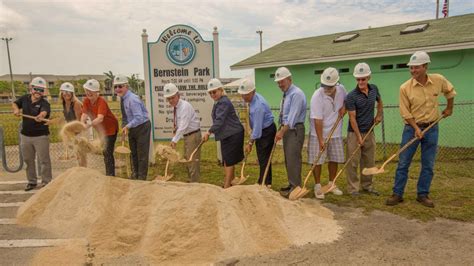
103	120
72	106
227	128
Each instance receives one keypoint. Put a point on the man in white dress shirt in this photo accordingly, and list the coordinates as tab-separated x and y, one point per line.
186	125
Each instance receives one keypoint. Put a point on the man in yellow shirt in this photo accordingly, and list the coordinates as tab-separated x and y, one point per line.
419	108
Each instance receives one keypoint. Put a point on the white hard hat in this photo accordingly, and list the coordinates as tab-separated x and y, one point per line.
282	73
330	77
169	90
246	87
419	58
92	85
362	70
214	84
66	86
39	82
120	79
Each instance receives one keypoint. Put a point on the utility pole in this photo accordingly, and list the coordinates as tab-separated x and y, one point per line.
259	32
437	9
6	39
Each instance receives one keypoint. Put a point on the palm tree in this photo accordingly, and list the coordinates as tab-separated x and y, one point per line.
109	80
136	85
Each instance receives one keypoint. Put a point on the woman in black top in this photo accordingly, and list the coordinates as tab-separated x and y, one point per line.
226	128
71	105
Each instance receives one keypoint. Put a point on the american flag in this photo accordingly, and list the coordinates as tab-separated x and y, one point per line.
445	10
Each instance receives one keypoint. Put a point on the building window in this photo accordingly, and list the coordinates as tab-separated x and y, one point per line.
415	28
318	72
272	76
386	67
346	38
404	65
26	83
51	84
343	70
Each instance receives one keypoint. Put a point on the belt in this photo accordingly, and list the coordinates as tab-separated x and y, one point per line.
427	124
190	133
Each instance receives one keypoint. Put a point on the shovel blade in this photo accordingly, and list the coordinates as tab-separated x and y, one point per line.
327	188
294	194
240	181
372	171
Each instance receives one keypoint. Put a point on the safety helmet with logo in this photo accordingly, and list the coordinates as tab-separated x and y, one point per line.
246	86
170	90
92	85
66	86
120	79
38	82
214	84
330	77
419	58
282	73
362	70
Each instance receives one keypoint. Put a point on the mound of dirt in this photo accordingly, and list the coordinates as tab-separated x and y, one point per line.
168	153
171	222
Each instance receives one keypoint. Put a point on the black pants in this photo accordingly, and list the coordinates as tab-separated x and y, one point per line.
139	140
109	154
264	147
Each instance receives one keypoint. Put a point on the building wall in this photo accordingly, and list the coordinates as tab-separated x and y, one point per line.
456	66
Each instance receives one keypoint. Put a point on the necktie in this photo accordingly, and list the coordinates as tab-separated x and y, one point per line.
124	115
280	117
174	120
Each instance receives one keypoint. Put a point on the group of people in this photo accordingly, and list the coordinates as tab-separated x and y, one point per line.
329	103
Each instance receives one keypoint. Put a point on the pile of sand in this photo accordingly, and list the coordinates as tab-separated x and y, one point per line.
172	223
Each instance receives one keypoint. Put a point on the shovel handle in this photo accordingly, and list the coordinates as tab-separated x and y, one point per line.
268	164
34	117
195	150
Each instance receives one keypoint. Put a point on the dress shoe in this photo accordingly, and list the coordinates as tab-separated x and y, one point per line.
425	201
393	200
285	188
371	191
30	187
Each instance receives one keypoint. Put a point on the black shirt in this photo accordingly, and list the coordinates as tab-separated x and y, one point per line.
364	106
30	127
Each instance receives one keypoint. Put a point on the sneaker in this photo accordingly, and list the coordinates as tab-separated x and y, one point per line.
425	201
371	191
30	187
336	191
317	192
393	200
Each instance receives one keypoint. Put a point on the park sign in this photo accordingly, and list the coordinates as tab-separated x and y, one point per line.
182	57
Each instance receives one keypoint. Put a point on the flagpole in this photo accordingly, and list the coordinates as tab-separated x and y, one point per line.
437	9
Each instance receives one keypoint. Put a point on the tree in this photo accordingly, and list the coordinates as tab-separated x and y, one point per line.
136	85
109	80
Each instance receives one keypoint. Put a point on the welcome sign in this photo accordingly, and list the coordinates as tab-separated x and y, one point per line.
180	56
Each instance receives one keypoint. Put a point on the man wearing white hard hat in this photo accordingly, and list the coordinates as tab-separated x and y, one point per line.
263	127
419	108
34	135
327	105
136	125
187	126
227	129
103	120
292	131
360	104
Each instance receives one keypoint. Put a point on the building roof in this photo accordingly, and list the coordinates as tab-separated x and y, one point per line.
453	33
50	77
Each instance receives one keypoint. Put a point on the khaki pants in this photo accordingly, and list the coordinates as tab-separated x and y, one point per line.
36	148
364	158
190	144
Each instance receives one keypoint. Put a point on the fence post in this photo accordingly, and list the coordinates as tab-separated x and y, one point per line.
383	140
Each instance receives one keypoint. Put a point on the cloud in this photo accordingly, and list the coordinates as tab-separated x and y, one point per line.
11	21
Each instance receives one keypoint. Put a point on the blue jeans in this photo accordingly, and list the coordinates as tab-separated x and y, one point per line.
429	144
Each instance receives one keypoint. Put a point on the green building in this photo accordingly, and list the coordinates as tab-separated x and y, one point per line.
449	42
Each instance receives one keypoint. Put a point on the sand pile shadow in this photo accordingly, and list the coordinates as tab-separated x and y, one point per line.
174	222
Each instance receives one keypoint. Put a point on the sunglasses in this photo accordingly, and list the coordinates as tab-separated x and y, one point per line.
361	79
212	92
119	86
38	89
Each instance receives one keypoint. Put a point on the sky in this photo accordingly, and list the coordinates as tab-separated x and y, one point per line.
72	37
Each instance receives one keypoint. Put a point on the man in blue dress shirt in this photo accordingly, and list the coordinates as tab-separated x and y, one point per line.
263	127
135	124
292	131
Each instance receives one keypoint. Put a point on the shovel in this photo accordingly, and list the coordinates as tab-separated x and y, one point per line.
299	192
330	186
242	178
375	170
264	178
122	149
47	121
166	177
192	154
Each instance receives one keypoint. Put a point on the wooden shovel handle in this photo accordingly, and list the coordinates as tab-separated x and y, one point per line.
408	144
195	150
34	117
268	164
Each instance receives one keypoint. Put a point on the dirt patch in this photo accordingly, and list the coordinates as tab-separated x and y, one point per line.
173	222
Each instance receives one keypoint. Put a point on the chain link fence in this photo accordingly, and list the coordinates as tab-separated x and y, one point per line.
456	139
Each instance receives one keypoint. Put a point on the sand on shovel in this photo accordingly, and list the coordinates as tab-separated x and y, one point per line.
168	153
130	221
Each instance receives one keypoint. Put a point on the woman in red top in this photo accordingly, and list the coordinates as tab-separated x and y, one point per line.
103	120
